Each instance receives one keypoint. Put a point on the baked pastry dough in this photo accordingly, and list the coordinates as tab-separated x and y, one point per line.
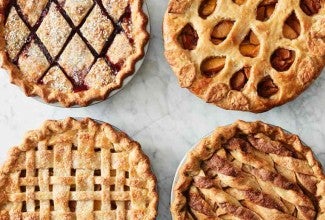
245	54
250	171
68	51
77	170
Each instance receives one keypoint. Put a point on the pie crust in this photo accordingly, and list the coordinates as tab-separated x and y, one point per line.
244	54
249	170
74	169
72	52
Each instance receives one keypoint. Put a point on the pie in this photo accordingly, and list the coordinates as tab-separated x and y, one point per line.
71	51
243	54
250	171
77	170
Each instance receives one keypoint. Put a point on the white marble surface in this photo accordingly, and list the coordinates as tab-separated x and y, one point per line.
156	112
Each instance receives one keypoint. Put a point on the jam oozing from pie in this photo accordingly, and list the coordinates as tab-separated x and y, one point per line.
125	22
78	81
115	66
32	36
78	74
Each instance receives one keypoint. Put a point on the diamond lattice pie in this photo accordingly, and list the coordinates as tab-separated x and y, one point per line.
77	170
250	171
71	51
245	54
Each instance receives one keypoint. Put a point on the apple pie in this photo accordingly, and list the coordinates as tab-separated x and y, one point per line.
245	55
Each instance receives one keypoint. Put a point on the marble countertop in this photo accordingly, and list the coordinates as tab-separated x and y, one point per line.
166	119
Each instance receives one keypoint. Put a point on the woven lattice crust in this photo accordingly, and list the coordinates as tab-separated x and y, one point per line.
250	171
244	54
69	53
77	170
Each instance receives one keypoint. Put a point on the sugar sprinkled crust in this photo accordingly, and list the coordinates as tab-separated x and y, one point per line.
80	19
98	156
191	38
250	170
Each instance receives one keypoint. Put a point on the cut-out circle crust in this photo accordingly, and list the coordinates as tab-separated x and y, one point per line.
221	31
281	45
207	7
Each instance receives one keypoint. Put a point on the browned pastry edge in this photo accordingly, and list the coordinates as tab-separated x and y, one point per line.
305	71
83	98
53	126
208	145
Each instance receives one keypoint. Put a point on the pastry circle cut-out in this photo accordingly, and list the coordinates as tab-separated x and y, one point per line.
282	41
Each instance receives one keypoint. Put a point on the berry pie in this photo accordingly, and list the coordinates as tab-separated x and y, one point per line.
250	171
77	170
71	51
248	55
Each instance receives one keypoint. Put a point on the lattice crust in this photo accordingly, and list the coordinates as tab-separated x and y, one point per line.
77	170
250	171
71	37
245	54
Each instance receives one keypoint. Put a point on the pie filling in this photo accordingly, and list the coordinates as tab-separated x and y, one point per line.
252	176
75	65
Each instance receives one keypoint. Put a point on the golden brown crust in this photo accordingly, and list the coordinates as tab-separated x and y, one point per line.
51	146
82	98
253	168
308	47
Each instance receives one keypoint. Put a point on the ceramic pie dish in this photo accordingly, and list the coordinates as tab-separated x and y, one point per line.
77	169
72	52
249	170
245	55
126	80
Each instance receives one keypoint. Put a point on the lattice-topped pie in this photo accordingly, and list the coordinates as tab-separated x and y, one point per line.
249	55
77	170
71	51
250	171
